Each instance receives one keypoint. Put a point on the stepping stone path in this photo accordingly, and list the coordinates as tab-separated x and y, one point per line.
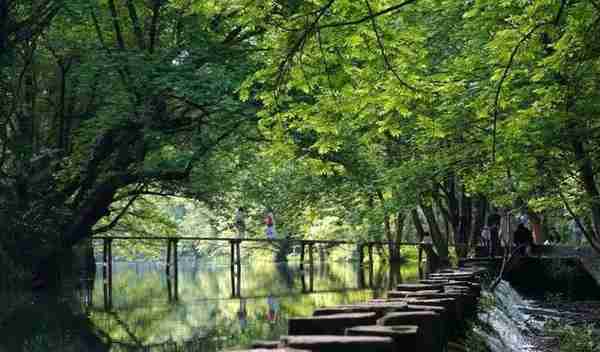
416	317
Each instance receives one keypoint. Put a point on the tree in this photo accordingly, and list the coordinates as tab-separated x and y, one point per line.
146	92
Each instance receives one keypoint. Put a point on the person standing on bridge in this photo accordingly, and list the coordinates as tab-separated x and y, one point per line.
494	227
240	222
270	222
576	231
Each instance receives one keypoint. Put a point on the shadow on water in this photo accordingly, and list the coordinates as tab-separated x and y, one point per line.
205	317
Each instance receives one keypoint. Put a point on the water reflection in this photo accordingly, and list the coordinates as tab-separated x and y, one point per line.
142	314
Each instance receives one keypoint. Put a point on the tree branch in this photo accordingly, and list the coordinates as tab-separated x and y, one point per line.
120	215
501	82
154	25
116	25
137	29
390	9
386	61
284	65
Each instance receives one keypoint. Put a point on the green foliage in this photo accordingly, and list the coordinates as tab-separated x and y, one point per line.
573	338
358	111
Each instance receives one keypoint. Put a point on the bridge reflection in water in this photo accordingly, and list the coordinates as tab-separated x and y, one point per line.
307	268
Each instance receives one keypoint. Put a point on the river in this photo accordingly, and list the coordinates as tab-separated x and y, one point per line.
144	315
207	315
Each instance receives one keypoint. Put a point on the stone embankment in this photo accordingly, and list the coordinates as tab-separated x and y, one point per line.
423	317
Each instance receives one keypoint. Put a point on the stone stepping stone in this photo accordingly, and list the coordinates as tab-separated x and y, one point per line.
406	294
404	336
265	344
453	314
379	309
420	287
454	276
335	324
467	300
431	336
460	289
333	343
434	281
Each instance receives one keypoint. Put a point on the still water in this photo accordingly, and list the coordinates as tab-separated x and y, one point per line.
207	315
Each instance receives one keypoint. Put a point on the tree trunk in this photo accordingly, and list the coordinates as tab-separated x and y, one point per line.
418	224
586	175
479	215
437	237
461	237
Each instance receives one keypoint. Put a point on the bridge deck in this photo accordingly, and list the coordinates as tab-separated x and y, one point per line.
250	239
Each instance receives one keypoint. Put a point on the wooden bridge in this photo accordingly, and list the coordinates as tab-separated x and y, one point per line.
172	260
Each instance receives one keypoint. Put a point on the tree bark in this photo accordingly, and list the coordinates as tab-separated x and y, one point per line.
587	178
418	224
479	215
437	237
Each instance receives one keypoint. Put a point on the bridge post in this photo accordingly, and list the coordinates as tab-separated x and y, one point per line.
110	271
311	277
176	269
168	262
232	267
239	268
302	255
104	255
371	254
360	254
104	271
419	260
310	254
232	253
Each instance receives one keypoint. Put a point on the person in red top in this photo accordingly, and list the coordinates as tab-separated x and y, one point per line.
270	222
